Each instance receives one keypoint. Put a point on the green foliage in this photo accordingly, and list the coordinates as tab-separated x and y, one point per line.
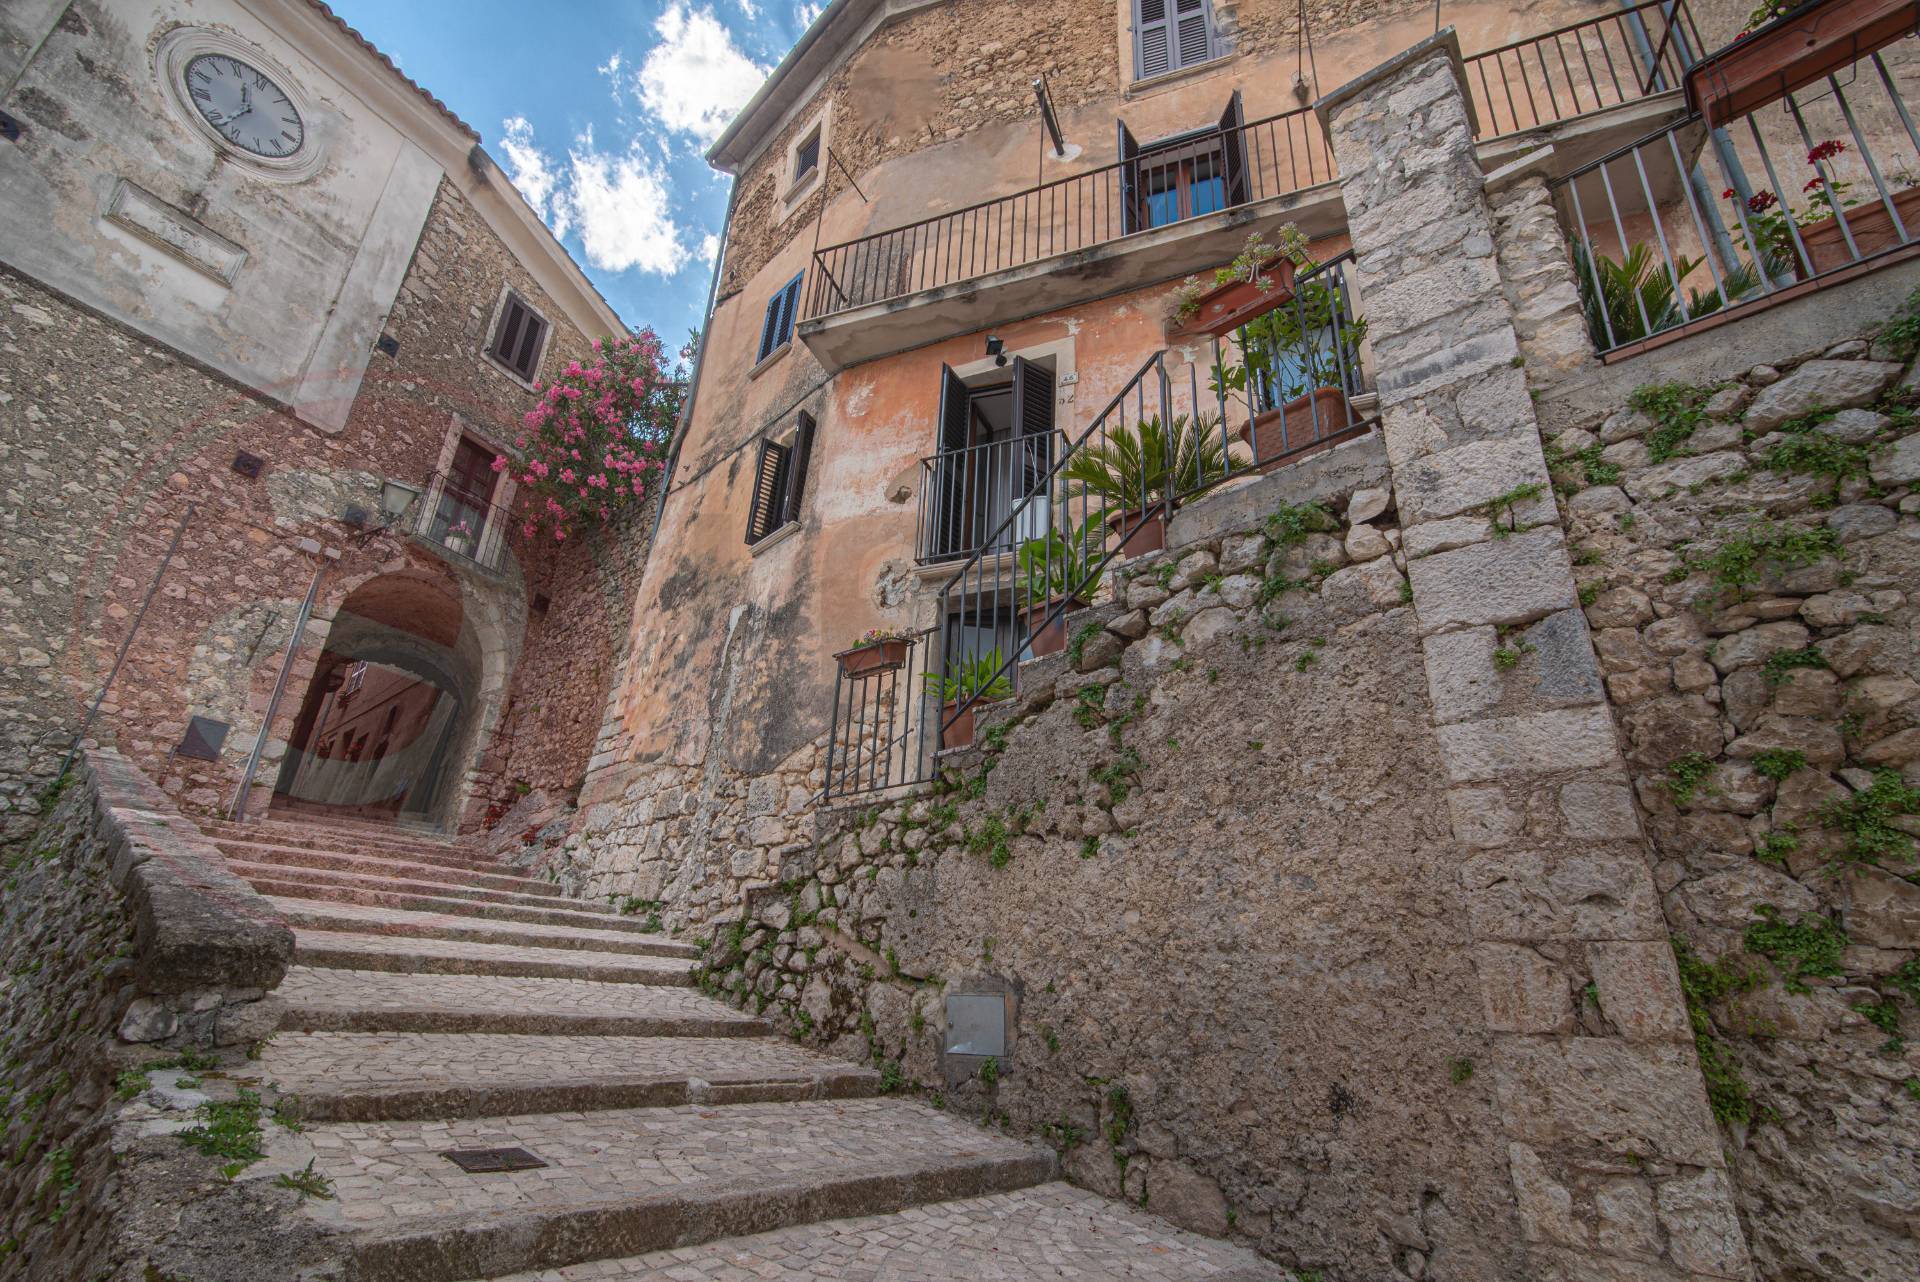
130	1083
1589	593
989	1071
1885	1016
1134	467
1089	847
1119	1113
1117	775
1743	558
1809	453
1291	523
1459	1070
1780	667
978	675
1777	763
1685	775
1510	503
1867	818
1701	984
991	839
1077	644
892	1076
1901	334
1056	566
1089	705
1064	1136
1907	979
1776	846
1506	658
229	1129
1639	292
307	1182
1676	410
1051	1038
1802	949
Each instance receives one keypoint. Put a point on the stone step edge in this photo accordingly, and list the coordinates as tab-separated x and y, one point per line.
511	935
585	1095
488	1244
308	953
408	901
387	884
301	1018
260	852
329	833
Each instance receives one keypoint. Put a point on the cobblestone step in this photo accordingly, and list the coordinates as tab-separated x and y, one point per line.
401	955
355	919
325	999
447	888
626	1182
1048	1233
283	884
428	1077
380	864
321	836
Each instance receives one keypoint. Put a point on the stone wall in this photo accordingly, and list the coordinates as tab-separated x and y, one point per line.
1748	560
1205	859
122	937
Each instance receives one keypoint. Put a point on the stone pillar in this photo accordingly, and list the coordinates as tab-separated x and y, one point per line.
1537	273
1615	1161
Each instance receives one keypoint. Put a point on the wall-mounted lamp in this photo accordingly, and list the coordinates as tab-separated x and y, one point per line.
997	349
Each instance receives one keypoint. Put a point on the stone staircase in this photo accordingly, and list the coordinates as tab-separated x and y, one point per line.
442	1001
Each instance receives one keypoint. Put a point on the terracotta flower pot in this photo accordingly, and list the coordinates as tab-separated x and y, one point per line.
1872	229
1309	420
955	732
1225	308
1052	637
1806	45
880	656
1151	535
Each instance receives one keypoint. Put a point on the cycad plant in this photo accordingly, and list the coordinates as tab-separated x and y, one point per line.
1139	467
978	675
1055	565
1638	292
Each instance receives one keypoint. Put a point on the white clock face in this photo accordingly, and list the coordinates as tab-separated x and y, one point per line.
244	106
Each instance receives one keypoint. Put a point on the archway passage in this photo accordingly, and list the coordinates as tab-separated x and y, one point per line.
388	713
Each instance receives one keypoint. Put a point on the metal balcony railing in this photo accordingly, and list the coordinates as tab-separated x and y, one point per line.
1584	67
462	519
1693	221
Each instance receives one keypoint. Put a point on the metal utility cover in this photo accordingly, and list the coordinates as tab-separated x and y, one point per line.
475	1161
976	1024
203	740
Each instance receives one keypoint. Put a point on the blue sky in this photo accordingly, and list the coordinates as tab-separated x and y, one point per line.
600	112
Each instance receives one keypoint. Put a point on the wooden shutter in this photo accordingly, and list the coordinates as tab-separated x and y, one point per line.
1152	39
1033	423
1233	152
950	472
796	478
1192	33
1129	152
768	471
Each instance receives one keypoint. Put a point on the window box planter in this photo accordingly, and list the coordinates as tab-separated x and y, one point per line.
1276	448
881	656
457	544
1151	534
1225	308
1872	228
1792	51
956	731
1045	638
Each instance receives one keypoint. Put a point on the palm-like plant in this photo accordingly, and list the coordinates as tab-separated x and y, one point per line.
1054	566
1638	293
978	676
1144	466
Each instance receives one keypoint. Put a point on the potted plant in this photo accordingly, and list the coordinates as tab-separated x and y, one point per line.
459	537
975	681
1294	361
877	650
1258	278
1056	570
1786	46
1137	472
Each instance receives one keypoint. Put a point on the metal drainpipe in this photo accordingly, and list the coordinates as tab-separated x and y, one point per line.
1722	145
238	811
699	364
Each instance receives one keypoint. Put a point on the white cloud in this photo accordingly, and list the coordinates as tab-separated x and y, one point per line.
617	201
709	248
806	13
749	8
696	79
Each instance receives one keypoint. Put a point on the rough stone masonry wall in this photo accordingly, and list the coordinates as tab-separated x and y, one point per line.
1749	558
121	933
1615	1165
1206	860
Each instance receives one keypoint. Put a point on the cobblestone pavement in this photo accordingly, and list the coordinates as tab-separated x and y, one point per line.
322	989
362	919
438	954
1054	1232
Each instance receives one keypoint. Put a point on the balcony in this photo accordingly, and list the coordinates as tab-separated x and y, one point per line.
1176	206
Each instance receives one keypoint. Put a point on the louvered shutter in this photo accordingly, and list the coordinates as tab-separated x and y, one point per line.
796	478
1033	423
768	471
769	326
1129	153
1192	33
1152	39
789	304
950	474
1233	153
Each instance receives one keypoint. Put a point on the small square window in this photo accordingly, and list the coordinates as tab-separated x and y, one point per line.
518	337
806	158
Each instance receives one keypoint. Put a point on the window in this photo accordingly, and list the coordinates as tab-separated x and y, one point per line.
776	330
1185	176
806	157
1171	34
996	452
780	481
518	337
465	500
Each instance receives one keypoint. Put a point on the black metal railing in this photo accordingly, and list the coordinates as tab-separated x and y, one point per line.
1584	67
965	494
462	518
1196	174
1283	384
1691	221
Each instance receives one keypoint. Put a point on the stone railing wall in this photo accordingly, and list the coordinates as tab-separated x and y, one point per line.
122	936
